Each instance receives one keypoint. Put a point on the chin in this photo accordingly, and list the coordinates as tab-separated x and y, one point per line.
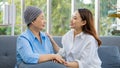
71	27
43	28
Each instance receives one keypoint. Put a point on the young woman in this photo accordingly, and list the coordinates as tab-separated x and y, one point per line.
80	44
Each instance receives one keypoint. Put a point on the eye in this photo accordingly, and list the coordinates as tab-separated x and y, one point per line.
74	18
41	17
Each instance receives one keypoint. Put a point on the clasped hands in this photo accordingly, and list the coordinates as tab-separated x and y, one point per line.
58	59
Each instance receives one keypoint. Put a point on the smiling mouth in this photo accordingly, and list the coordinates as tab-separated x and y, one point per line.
44	25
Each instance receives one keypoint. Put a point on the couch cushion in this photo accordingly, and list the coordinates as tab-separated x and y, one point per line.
7	51
109	56
48	64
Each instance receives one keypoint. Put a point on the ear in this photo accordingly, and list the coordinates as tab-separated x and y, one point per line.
84	22
32	23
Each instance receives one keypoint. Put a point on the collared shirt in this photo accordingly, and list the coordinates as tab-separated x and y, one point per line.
83	49
29	48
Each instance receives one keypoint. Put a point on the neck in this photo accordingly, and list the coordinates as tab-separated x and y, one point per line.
77	32
34	30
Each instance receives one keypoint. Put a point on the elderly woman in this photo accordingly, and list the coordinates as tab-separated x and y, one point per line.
33	45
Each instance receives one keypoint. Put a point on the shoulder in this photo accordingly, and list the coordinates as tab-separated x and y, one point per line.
89	37
68	34
24	35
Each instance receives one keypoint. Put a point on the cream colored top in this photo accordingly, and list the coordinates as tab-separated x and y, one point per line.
83	49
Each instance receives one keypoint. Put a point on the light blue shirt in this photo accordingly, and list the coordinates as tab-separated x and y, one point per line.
29	48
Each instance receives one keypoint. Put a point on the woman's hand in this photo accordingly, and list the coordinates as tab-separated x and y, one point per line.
59	59
55	46
50	36
47	57
72	64
55	61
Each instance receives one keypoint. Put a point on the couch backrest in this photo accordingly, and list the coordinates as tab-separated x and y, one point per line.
109	52
111	41
7	51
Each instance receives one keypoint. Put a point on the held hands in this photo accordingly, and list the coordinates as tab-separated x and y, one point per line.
47	57
57	58
72	64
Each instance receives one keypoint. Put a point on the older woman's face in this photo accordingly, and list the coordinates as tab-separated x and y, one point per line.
40	22
76	21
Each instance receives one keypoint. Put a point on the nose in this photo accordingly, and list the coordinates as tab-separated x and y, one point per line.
45	21
71	21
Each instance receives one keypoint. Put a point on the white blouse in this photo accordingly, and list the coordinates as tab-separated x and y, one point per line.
83	49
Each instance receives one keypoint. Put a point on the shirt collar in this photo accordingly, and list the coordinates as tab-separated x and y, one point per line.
31	34
80	35
42	35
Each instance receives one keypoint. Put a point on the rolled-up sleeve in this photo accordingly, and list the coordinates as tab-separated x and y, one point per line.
25	51
61	52
89	57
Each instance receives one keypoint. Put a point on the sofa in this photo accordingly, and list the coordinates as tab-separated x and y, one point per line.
109	53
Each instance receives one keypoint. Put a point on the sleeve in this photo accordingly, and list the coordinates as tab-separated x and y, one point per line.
25	51
61	52
89	56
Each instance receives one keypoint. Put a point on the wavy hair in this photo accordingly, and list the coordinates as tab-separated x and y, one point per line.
89	28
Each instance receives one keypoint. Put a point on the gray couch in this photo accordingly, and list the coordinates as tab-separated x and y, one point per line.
109	53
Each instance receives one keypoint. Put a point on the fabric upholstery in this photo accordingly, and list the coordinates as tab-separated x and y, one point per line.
48	64
7	51
58	40
110	56
110	41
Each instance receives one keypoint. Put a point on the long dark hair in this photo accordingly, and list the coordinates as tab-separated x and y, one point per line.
89	28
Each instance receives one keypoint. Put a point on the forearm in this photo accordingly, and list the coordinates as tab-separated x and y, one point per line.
72	64
45	57
48	57
55	46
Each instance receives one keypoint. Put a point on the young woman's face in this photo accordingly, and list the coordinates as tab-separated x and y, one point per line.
76	21
40	22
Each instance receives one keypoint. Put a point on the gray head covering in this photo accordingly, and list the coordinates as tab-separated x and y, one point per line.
31	13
